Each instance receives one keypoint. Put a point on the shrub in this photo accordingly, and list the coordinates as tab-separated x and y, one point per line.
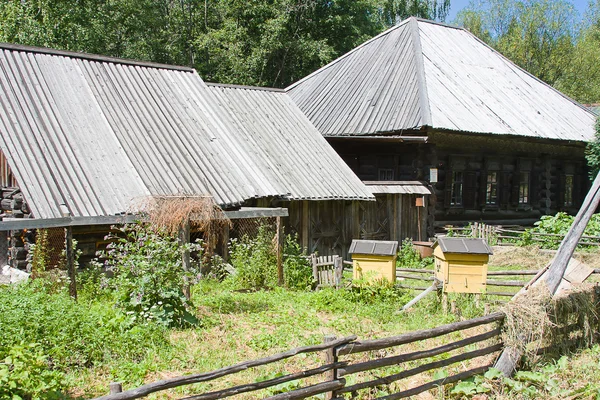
148	275
24	373
558	224
254	260
409	257
72	334
297	270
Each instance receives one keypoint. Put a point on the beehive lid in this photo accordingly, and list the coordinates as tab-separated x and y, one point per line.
374	247
463	246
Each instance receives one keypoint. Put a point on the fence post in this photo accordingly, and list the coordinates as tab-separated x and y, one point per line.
115	387
330	358
338	268
184	240
279	240
70	261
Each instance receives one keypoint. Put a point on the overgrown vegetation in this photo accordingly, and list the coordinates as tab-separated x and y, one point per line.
409	256
559	225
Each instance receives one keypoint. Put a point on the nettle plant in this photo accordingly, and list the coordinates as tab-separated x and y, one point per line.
148	275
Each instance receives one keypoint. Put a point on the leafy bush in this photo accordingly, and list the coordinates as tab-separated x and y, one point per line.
297	270
371	292
254	260
148	275
409	257
558	224
72	334
24	373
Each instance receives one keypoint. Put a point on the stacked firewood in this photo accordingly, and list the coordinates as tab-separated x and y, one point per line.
12	204
16	248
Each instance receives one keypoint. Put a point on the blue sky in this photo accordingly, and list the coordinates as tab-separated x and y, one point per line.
457	5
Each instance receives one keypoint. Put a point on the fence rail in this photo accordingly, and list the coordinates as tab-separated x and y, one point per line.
500	235
335	369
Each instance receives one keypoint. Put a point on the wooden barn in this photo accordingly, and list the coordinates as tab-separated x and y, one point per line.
431	104
83	138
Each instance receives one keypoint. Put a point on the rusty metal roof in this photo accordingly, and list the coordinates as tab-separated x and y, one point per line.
373	247
463	245
421	73
91	134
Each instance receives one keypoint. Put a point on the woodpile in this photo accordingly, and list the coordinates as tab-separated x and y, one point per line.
14	249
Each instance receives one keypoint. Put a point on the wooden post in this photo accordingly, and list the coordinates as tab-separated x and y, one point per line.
70	260
453	307
184	240
330	358
486	308
444	301
338	268
305	226
115	387
279	240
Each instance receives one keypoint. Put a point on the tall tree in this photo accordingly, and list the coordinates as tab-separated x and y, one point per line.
538	35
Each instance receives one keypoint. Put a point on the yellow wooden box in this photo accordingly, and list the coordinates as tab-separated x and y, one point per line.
374	260
461	264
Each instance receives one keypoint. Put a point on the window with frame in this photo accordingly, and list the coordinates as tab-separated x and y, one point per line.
491	189
456	190
568	202
386	174
524	188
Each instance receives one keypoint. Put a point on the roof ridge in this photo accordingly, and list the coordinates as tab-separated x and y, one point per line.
247	87
426	117
92	57
354	50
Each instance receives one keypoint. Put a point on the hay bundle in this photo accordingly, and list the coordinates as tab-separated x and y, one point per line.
170	213
536	324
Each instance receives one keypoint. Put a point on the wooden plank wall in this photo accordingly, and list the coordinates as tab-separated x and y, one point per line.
328	227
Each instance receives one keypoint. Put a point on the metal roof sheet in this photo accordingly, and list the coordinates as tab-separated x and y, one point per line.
373	247
290	150
422	73
95	134
397	187
463	245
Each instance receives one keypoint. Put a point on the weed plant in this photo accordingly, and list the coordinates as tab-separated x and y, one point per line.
409	257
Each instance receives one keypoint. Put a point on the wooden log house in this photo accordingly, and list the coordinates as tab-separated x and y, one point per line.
430	102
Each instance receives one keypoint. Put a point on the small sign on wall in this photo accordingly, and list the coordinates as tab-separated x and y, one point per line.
420	201
433	175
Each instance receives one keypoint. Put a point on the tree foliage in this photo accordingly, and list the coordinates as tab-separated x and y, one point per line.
592	152
256	42
545	37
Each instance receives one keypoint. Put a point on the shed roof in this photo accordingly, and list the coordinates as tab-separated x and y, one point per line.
95	133
463	245
397	187
425	74
373	247
289	149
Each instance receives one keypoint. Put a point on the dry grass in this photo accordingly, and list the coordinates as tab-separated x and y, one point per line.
170	213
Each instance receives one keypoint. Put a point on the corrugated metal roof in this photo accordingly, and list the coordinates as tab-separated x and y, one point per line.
463	245
447	78
290	150
95	134
374	247
373	88
397	187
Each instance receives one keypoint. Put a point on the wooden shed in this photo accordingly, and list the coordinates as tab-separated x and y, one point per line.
374	259
461	264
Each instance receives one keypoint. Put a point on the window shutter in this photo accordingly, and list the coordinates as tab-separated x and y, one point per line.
482	188
561	191
447	187
514	190
504	188
534	188
470	190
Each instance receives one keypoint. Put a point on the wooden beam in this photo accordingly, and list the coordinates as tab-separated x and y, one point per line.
70	260
16	224
279	251
184	240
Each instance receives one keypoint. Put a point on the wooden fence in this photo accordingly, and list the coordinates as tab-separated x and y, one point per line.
509	235
364	361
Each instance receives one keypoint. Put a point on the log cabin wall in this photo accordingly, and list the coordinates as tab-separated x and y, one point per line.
505	180
328	227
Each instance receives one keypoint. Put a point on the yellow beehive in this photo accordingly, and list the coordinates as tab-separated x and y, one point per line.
374	259
461	264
